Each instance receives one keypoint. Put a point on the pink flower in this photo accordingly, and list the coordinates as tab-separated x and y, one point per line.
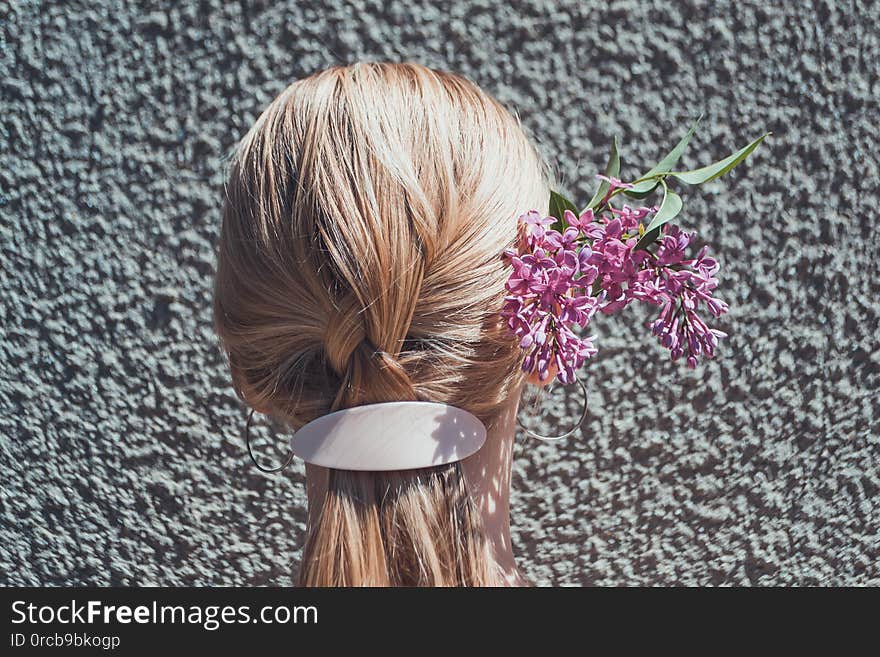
681	286
582	222
549	293
560	280
630	218
614	183
535	223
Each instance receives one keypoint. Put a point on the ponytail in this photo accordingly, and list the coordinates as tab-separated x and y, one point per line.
404	528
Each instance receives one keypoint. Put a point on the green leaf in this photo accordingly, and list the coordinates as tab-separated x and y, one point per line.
642	189
612	170
558	205
712	171
669	209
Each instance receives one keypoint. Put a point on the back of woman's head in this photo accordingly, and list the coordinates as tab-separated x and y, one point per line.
365	216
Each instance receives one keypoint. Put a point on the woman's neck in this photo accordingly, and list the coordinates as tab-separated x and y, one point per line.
488	478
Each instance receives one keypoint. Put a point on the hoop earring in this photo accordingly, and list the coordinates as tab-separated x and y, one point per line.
567	433
247	440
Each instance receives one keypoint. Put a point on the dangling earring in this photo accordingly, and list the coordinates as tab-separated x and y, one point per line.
567	433
247	440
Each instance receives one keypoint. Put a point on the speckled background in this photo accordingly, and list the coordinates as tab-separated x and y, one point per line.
122	460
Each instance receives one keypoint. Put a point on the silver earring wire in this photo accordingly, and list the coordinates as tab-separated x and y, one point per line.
567	433
247	440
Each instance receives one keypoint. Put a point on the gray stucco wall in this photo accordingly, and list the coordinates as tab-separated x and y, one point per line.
122	460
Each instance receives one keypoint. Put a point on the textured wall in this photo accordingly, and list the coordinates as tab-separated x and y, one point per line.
122	460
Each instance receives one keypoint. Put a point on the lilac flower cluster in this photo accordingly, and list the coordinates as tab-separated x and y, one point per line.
681	286
561	277
549	292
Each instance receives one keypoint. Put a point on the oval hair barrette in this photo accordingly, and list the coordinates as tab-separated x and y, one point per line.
400	435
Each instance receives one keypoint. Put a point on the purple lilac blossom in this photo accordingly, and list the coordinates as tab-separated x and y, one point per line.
549	293
560	280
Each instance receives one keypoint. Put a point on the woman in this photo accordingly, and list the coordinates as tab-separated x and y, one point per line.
365	217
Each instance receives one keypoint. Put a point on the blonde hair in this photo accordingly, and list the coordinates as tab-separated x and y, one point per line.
359	262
